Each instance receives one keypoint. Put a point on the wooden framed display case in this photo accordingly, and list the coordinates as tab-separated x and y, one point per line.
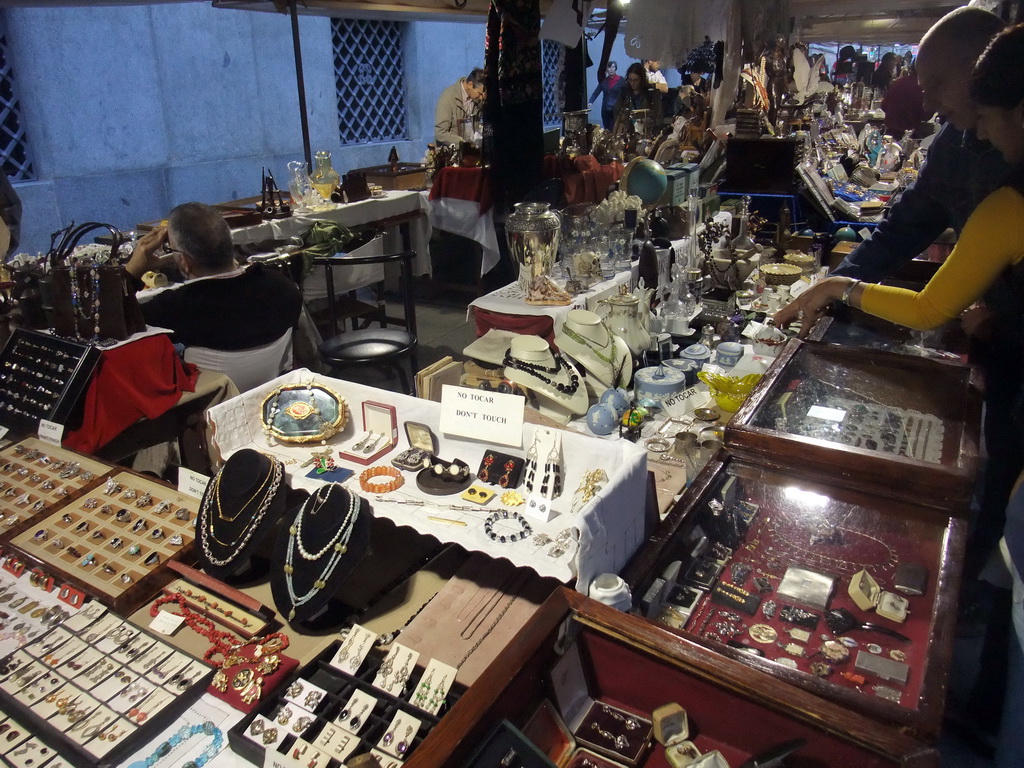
36	477
850	327
112	541
766	567
872	420
590	664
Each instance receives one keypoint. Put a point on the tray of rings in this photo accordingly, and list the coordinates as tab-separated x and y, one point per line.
43	377
114	541
36	477
92	691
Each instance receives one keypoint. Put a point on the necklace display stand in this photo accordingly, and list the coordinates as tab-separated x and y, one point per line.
532	364
326	539
606	358
240	508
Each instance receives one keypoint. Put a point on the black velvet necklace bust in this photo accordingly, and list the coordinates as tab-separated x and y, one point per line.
239	509
326	539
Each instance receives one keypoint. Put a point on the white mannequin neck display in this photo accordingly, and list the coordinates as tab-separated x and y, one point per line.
589	342
533	365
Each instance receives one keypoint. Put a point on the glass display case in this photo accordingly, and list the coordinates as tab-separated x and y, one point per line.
867	419
849	595
850	327
586	685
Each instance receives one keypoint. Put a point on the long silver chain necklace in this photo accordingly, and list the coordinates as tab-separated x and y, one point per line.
204	521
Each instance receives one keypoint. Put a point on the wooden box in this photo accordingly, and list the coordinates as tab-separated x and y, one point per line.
867	419
637	667
403	176
743	526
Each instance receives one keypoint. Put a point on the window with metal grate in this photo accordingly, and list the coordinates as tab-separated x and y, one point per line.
553	74
14	153
370	81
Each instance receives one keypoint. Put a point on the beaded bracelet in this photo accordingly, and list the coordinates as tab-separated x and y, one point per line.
504	514
396	481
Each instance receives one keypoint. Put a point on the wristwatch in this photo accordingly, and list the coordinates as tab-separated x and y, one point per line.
845	298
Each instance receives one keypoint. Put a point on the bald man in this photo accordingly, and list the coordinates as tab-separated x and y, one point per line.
960	171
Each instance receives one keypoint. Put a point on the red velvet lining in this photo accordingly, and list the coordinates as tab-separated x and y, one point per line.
719	719
141	380
784	523
270	682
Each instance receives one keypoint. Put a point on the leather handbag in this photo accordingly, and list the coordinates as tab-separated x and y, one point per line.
92	300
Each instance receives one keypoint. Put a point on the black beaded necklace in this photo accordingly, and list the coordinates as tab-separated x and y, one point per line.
537	371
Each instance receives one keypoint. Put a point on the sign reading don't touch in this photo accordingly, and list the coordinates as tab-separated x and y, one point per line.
481	415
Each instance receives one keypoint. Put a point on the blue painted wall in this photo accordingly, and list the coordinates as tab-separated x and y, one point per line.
130	111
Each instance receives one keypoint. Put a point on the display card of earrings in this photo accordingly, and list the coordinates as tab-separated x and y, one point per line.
341	705
42	377
114	540
94	689
833	589
35	477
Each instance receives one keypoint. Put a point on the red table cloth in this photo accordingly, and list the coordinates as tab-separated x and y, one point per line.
473	184
140	380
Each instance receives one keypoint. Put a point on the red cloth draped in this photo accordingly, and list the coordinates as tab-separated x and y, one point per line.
141	380
527	325
472	184
586	180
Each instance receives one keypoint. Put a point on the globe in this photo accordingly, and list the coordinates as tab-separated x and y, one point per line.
646	179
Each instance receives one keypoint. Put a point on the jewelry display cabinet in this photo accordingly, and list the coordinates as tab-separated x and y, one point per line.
850	327
588	685
43	377
868	419
848	595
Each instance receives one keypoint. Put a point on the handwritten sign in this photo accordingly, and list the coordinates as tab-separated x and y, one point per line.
192	483
51	432
491	416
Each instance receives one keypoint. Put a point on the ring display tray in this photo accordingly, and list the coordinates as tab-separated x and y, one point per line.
766	566
114	541
43	377
324	729
36	477
97	694
867	419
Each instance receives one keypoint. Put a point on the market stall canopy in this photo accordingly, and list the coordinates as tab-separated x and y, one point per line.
857	21
402	10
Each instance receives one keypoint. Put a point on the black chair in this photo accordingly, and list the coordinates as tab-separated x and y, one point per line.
384	347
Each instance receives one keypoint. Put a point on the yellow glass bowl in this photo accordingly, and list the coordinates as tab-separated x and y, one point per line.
729	391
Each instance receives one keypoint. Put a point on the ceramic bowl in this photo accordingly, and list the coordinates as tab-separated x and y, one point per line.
699	353
780	274
729	391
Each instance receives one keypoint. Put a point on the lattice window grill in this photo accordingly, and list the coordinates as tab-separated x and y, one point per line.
553	75
370	80
14	151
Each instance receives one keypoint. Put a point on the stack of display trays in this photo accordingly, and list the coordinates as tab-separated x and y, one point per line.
113	542
285	724
36	477
42	377
93	690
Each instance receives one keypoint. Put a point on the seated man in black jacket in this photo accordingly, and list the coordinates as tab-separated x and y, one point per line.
220	305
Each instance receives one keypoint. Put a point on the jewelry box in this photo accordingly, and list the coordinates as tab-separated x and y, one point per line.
910	422
589	650
43	377
113	541
742	528
378	437
303	413
422	445
36	477
331	725
87	698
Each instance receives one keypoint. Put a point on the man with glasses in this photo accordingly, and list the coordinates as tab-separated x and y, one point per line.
459	101
221	305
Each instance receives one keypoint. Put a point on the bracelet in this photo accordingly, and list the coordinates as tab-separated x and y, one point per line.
503	514
845	298
397	479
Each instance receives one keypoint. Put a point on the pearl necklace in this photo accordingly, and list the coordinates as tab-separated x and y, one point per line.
204	522
339	544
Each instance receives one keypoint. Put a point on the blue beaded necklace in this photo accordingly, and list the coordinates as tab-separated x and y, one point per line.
182	735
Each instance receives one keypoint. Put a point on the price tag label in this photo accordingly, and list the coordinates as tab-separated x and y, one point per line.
192	483
827	414
166	623
51	432
3	432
